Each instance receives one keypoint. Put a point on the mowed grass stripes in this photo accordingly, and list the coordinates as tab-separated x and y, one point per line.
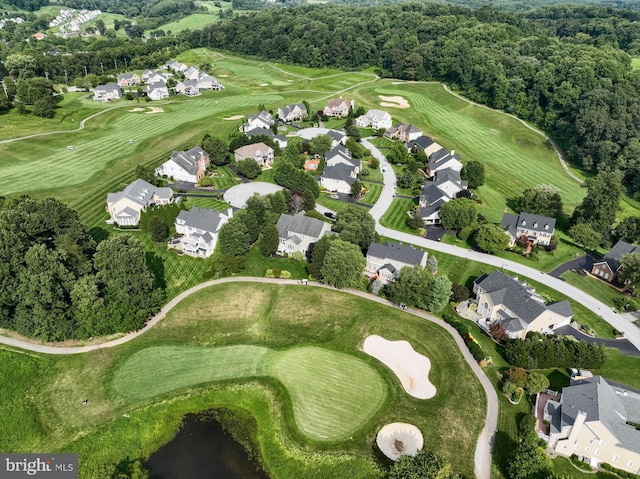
332	394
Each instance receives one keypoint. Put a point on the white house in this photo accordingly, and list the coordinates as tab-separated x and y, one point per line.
199	228
150	76
260	152
385	261
292	112
375	119
537	229
108	92
263	119
124	207
157	91
189	165
188	88
442	160
342	156
445	185
297	232
191	73
208	82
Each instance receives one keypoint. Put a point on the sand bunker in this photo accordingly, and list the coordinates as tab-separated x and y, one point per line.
412	368
394	101
155	109
223	76
264	84
234	117
137	109
399	438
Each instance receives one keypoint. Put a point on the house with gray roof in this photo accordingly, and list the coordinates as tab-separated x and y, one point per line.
190	165
341	155
385	261
208	82
403	132
609	266
198	229
444	186
443	160
108	92
293	112
281	140
262	119
337	137
596	420
338	178
128	79
424	143
537	229
157	91
125	207
517	307
188	88
375	119
298	232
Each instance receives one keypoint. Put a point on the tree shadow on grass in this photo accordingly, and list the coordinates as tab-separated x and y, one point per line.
156	264
503	446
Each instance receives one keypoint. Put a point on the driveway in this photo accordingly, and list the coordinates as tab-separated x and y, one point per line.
188	186
238	195
622	345
585	262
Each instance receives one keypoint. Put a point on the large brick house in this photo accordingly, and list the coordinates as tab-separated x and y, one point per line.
609	266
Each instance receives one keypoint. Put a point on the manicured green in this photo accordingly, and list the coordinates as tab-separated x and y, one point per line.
635	63
373	193
593	287
397	215
194	21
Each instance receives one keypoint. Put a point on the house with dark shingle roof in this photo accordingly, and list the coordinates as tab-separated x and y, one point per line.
594	419
443	160
297	232
108	92
341	155
189	165
262	119
517	307
125	207
537	229
424	143
385	261
199	228
188	87
445	185
609	266
338	178
292	112
281	140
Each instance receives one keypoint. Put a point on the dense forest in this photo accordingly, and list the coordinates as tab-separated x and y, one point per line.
572	78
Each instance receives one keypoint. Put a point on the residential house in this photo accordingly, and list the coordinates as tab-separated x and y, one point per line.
375	119
341	155
536	228
338	178
191	73
128	79
403	132
157	91
260	152
281	140
608	267
150	76
176	66
338	107
293	112
188	87
442	160
337	137
124	208
208	82
424	143
108	92
596	420
385	261
297	232
199	228
262	119
517	307
444	186
190	165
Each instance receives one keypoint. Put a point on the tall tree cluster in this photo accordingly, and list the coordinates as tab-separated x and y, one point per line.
56	284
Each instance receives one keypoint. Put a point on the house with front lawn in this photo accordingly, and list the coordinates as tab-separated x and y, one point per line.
108	92
424	143
385	261
375	119
260	152
342	156
444	186
294	112
609	266
198	229
595	419
337	137
281	140
403	132
208	82
128	79
262	119
338	108
338	178
124	207
189	166
536	229
517	307
157	91
298	232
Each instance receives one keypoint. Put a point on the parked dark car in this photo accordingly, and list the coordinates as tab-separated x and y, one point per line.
331	216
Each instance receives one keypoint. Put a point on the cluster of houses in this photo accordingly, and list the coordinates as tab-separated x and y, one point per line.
71	19
16	20
156	83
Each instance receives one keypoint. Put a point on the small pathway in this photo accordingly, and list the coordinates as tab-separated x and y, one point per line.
584	262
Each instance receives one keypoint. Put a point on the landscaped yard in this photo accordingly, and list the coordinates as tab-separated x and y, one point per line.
212	351
593	287
397	215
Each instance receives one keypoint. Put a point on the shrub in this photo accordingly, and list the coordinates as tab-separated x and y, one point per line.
276	272
460	292
206	181
465	233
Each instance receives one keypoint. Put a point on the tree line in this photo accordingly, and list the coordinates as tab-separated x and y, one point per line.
56	283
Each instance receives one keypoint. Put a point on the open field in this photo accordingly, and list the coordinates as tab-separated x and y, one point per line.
194	21
635	63
225	337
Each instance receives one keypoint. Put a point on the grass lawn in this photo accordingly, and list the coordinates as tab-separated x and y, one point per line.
372	194
593	287
334	205
194	21
216	345
396	216
635	63
226	178
266	176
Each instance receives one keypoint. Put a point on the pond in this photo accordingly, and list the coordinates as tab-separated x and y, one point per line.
202	450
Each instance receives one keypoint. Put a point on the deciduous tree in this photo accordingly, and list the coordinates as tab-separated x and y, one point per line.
542	200
491	238
355	225
459	213
343	264
473	173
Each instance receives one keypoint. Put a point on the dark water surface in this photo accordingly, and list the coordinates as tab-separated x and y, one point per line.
201	450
